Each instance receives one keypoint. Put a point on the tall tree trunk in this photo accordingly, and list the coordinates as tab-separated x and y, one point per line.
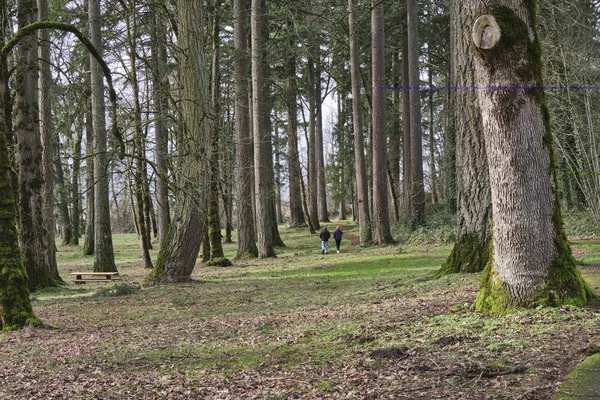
294	171
312	144
214	220
394	135
531	262
15	306
75	193
177	257
161	135
471	249
319	146
417	192
90	182
38	257
104	259
243	158
406	118
359	150
381	215
262	135
432	169
138	144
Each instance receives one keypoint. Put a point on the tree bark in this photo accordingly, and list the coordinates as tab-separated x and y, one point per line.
90	181
381	215
243	158
471	249
359	150
262	136
319	146
406	118
177	257
312	165
531	263
104	260
417	189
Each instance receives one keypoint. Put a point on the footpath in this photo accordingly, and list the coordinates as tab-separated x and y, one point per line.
583	383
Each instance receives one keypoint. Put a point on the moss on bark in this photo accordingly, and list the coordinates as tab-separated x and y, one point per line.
468	255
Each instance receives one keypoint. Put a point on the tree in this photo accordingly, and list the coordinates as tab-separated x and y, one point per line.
381	217
417	189
34	238
243	158
531	262
359	152
262	135
177	257
104	260
471	249
15	306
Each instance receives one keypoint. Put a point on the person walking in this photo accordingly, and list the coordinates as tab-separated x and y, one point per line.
325	236
337	235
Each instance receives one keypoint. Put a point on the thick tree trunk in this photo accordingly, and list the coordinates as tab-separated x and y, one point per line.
417	189
364	219
381	215
262	136
471	249
104	260
177	257
243	158
33	232
394	136
531	262
90	183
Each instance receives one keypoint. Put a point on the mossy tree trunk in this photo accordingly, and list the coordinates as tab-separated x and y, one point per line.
177	257
38	257
531	263
471	249
243	157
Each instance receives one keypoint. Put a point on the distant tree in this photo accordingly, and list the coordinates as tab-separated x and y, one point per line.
531	263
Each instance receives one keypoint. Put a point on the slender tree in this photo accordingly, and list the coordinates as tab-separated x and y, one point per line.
406	117
531	262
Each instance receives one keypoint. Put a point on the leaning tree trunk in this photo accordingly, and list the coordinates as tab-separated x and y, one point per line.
364	220
381	216
104	259
243	157
531	263
471	249
177	257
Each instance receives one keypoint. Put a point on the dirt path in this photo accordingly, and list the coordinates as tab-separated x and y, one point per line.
354	239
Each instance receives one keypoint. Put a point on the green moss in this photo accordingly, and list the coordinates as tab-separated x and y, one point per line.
247	254
493	297
219	262
468	255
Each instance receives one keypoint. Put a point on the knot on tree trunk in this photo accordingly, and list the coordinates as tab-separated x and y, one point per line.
486	32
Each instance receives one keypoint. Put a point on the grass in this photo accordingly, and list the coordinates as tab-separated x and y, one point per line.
371	322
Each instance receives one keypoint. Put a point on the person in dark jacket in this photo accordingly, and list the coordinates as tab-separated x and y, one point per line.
337	235
325	236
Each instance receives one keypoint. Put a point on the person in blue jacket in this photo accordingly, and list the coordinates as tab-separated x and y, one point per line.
337	235
325	236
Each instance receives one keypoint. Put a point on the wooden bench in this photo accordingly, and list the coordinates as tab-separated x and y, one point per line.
83	277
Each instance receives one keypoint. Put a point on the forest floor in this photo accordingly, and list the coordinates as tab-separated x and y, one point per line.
368	323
